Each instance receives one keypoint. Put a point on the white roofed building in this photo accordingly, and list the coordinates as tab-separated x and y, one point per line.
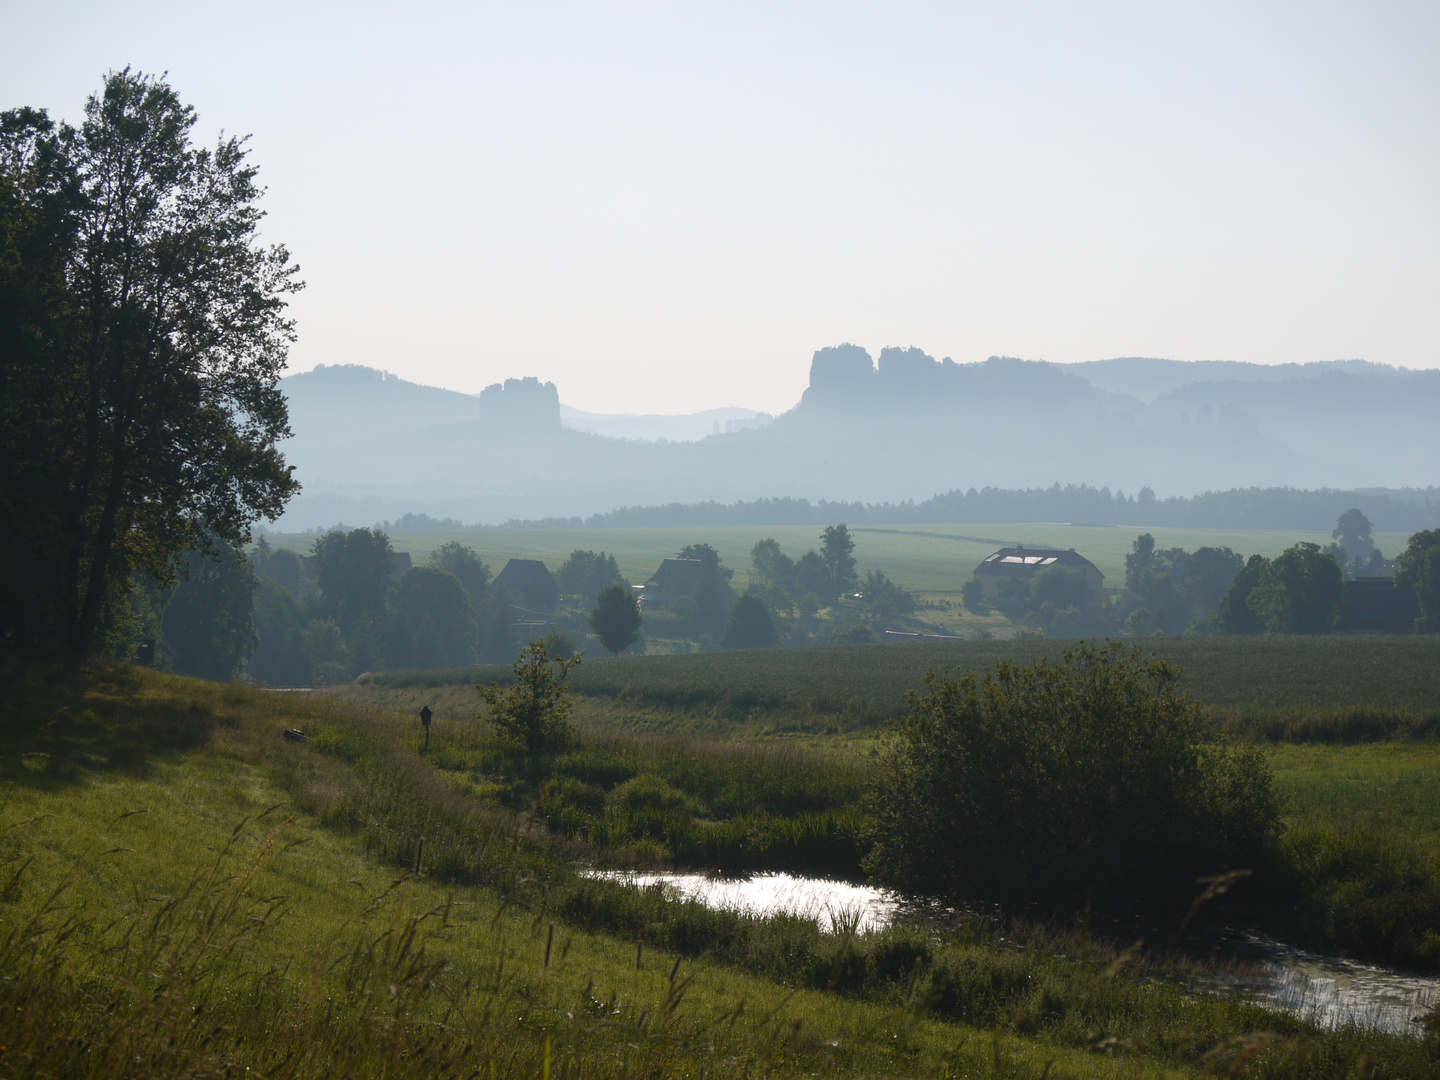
1024	563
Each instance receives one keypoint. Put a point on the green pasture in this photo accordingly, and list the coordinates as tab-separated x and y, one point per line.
1363	845
922	558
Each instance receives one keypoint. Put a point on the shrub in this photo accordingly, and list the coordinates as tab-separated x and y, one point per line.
535	709
1054	785
972	595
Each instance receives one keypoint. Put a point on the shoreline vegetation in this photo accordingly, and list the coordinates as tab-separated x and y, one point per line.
315	898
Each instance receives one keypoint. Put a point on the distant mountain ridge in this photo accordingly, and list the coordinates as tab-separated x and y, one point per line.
903	426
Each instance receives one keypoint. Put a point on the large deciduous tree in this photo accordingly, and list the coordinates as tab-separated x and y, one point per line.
1418	566
142	335
1301	591
836	548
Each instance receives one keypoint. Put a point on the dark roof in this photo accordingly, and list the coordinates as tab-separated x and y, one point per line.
1012	559
1378	605
676	574
522	576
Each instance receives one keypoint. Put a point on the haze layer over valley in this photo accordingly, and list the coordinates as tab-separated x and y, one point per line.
900	426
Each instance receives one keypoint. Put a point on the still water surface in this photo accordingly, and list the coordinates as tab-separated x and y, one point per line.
1327	990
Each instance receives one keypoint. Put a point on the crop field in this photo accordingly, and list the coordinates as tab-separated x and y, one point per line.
1257	678
932	559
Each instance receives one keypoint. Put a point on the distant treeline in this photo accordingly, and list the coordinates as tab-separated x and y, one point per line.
1390	510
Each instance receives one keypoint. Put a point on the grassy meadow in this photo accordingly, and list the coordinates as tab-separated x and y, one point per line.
183	892
1350	724
927	559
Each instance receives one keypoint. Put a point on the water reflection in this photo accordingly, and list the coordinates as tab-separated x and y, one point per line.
832	904
1332	992
1327	991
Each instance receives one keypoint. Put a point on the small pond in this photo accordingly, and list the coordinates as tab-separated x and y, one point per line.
1326	990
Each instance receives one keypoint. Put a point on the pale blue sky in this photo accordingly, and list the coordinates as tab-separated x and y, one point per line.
665	207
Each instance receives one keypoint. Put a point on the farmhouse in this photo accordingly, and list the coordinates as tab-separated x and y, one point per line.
677	578
530	584
1022	563
1376	605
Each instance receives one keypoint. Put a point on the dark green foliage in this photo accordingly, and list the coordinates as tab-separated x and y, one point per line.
208	620
750	625
585	573
280	565
1175	586
812	581
1301	591
535	709
616	619
142	335
859	634
1418	566
354	571
837	549
467	567
972	595
431	625
1235	614
771	565
883	598
280	657
1352	532
1012	597
1058	785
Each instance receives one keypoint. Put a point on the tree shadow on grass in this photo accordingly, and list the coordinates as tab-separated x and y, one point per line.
61	722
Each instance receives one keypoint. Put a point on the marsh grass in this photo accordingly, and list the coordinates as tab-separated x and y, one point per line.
147	935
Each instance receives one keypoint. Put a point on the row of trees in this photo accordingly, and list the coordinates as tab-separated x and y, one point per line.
1214	590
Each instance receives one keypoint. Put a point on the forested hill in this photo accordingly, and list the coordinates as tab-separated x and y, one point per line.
901	429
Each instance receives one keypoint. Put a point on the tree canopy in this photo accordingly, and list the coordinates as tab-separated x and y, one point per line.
1418	566
837	549
749	625
616	618
1301	591
142	335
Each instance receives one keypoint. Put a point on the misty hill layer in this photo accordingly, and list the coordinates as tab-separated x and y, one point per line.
897	427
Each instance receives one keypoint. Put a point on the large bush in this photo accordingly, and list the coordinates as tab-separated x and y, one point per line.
1057	785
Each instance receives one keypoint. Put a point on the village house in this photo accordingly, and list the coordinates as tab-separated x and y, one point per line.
1022	563
529	584
680	578
1376	605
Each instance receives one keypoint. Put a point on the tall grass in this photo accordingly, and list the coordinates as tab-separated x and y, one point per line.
267	959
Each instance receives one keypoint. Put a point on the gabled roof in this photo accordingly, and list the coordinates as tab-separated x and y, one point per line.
676	574
1373	600
1022	559
523	575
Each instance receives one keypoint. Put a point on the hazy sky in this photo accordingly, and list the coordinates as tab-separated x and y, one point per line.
665	207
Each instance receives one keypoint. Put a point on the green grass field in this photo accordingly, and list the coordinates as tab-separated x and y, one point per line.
930	559
184	893
849	686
